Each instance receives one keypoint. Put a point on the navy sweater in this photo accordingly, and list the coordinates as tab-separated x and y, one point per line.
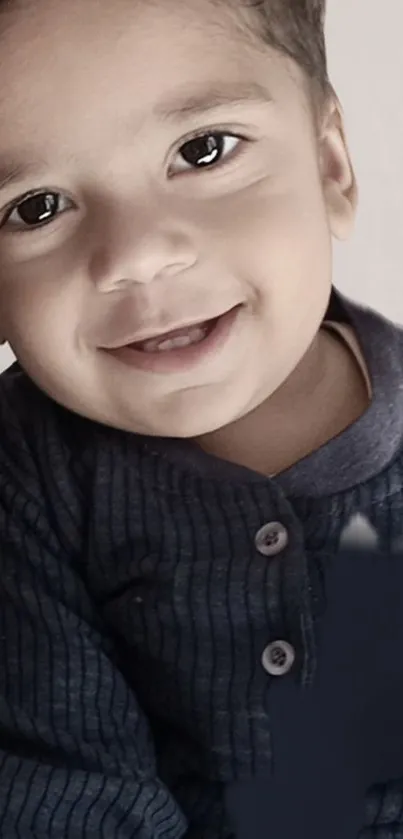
184	650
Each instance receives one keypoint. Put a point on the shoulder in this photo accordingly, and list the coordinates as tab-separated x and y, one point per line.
22	410
372	325
45	457
381	342
29	416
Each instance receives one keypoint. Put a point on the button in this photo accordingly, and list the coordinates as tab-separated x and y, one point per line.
278	658
271	539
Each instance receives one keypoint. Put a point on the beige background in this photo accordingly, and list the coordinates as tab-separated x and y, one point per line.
366	67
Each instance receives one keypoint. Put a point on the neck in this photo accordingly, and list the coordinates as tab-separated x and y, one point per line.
321	398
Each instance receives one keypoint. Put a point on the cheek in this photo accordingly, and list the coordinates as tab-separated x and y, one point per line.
41	318
281	235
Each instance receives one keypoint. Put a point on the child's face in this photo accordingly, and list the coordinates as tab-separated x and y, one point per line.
142	238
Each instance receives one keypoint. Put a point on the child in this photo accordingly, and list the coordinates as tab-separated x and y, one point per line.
196	422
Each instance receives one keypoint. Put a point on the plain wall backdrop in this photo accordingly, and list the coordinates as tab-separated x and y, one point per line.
366	68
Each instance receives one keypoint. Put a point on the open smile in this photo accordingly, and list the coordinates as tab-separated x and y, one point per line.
180	349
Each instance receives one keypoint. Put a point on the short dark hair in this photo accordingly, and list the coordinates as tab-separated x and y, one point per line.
294	27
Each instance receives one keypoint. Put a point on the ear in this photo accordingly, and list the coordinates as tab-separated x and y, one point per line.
338	178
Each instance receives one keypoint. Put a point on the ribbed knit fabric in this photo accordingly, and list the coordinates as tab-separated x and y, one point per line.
134	609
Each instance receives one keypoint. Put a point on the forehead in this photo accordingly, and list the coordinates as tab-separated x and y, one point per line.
53	50
77	74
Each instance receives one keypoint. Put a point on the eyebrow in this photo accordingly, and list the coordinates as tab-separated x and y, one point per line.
181	106
12	172
192	103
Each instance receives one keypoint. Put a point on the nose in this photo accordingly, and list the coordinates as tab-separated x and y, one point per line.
140	254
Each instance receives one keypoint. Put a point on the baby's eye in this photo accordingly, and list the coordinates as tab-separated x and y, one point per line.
37	210
207	149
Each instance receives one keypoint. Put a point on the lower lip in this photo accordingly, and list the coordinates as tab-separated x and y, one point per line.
183	358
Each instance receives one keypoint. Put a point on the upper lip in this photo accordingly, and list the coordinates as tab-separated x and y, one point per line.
148	336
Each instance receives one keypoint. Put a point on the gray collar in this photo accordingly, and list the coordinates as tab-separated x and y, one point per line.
369	444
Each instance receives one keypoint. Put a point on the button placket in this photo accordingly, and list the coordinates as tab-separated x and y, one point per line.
279	656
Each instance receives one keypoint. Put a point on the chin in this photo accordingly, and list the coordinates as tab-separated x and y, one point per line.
191	425
185	431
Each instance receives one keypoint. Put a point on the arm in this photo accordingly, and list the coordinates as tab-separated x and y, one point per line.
76	755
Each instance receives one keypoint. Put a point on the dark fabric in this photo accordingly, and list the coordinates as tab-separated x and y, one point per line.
135	608
338	746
